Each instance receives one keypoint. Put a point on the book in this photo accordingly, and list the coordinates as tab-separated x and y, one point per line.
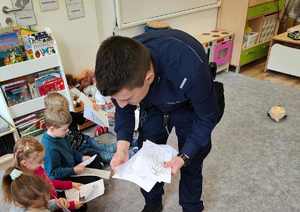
8	40
47	84
39	44
86	192
11	48
32	124
12	55
16	92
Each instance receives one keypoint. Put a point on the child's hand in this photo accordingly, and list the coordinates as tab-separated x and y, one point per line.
77	204
76	185
62	203
79	169
85	157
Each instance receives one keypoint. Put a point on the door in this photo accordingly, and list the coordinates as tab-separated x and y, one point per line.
6	18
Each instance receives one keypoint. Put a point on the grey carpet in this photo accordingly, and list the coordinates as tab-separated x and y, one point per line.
254	164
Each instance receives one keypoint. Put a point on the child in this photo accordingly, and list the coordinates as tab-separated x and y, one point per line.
61	161
104	103
25	190
29	155
80	142
85	81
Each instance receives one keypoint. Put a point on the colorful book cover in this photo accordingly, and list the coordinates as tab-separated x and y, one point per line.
16	92
8	40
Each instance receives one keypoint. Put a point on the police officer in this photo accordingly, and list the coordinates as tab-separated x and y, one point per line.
166	73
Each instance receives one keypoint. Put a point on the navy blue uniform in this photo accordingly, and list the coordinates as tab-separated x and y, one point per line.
181	96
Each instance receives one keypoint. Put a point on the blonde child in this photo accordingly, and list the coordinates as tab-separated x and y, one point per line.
25	190
61	161
29	156
80	142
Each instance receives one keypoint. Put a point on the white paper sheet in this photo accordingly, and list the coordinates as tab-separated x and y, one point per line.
127	172
88	161
146	168
95	116
99	117
87	192
95	172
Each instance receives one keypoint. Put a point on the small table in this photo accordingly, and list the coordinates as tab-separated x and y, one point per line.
284	55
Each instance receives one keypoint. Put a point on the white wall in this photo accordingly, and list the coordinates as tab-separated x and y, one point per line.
77	39
192	23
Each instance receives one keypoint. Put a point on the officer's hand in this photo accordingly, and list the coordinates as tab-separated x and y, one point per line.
121	156
175	164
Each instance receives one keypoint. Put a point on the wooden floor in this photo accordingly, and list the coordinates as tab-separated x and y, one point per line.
256	70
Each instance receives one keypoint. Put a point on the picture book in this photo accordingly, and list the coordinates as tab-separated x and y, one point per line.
16	92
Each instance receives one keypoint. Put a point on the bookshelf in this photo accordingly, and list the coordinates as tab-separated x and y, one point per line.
261	16
34	68
28	67
27	107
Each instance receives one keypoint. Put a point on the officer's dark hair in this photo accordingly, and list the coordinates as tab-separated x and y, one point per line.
121	63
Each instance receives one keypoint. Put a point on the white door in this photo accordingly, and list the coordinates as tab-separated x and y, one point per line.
9	18
4	18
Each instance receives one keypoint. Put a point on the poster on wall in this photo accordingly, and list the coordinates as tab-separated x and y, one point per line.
26	16
75	9
47	5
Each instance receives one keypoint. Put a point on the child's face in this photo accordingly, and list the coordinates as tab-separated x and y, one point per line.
59	132
34	160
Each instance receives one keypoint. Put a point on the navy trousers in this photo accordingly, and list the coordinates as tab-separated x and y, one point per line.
155	126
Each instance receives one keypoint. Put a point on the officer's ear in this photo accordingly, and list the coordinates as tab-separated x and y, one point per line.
149	76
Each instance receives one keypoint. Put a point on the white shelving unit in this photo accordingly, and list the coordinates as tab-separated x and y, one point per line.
25	68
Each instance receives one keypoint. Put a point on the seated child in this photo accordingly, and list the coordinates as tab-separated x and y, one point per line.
86	83
80	142
25	190
29	157
104	103
61	161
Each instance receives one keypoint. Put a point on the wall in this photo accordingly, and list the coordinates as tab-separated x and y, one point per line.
192	23
77	39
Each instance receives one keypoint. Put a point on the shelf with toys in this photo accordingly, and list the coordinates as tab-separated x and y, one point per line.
257	23
25	81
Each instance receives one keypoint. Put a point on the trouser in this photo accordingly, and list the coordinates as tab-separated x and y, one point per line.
155	126
91	146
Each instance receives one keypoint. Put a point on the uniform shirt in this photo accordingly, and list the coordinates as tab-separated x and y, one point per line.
181	75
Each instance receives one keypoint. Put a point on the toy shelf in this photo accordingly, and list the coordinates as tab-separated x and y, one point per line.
257	23
264	9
